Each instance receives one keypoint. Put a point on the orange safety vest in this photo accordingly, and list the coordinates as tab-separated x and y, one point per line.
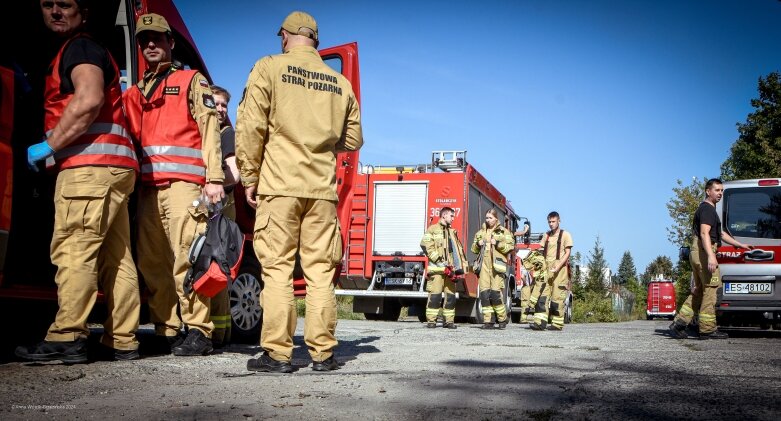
106	142
170	139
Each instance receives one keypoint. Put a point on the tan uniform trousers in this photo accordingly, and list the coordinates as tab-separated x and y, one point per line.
220	313
437	284
490	280
167	225
91	248
526	293
703	297
284	226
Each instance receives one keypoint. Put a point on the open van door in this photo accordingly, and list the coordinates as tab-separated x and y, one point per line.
26	198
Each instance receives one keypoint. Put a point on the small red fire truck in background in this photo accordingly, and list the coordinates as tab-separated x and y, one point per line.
661	298
384	267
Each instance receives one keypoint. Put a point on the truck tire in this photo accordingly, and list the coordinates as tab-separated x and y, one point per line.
568	310
391	310
244	295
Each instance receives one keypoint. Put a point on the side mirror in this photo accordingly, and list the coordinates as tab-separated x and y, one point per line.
683	253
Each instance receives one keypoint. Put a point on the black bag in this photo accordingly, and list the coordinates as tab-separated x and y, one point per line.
215	257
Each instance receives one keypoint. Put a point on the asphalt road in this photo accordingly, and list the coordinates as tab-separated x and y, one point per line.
401	370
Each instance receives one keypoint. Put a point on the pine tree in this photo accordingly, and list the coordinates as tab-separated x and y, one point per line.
626	269
597	264
661	265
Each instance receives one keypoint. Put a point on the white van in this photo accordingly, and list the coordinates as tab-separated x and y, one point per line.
750	211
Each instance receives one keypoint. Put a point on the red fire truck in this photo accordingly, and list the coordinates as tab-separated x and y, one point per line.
26	205
661	298
392	206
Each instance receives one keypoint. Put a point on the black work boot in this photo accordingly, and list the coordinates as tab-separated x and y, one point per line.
196	343
72	352
107	353
267	364
431	325
716	334
503	324
678	330
162	345
535	326
126	354
449	325
487	325
326	365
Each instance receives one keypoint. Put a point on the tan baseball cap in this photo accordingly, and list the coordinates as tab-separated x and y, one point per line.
152	22
297	20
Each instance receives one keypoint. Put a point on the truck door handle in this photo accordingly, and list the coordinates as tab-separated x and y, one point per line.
758	255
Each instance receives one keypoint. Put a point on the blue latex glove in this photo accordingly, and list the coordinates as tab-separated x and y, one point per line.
38	152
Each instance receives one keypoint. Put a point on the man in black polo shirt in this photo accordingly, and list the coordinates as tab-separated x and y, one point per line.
707	237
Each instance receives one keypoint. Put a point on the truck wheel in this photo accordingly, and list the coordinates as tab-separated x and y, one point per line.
391	310
515	317
246	312
568	310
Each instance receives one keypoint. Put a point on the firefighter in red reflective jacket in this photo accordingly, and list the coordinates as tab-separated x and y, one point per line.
87	143
172	113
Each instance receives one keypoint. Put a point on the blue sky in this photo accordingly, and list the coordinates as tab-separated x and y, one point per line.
591	108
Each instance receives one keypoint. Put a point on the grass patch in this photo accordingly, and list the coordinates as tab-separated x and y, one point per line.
344	308
593	308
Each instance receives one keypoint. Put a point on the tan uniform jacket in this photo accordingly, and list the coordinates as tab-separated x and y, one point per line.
550	253
204	115
505	243
434	244
296	113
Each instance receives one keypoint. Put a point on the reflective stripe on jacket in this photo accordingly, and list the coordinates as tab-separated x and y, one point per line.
171	141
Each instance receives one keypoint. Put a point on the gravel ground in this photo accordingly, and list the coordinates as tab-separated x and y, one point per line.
401	370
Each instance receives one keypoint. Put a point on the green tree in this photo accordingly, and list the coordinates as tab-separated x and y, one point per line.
626	269
681	209
682	281
595	281
757	152
661	265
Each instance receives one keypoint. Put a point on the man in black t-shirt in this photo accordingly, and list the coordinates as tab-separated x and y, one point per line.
86	143
220	304
707	237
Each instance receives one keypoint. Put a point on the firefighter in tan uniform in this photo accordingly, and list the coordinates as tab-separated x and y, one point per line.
492	244
295	115
534	263
557	245
446	261
171	113
705	268
528	282
87	144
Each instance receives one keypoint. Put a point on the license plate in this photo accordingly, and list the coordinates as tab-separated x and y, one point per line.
398	281
748	288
